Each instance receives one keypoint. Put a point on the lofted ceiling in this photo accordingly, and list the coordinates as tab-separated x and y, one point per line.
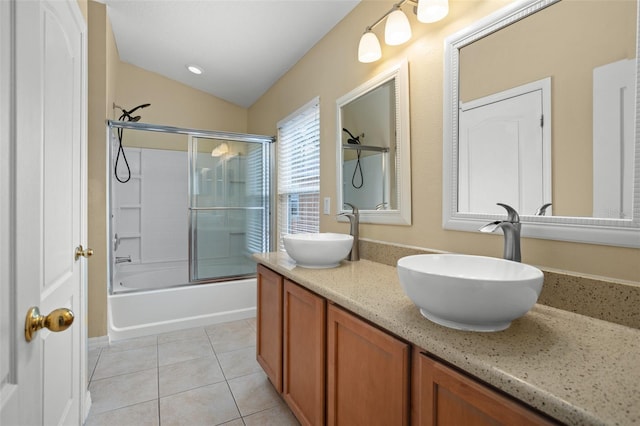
243	46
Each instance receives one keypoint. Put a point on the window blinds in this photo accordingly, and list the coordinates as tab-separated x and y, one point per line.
299	172
257	191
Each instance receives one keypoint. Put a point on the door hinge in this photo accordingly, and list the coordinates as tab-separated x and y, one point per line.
542	120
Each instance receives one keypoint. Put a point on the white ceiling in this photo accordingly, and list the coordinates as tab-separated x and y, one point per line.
243	46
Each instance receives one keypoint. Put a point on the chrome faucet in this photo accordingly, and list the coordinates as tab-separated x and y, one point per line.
511	230
354	220
123	259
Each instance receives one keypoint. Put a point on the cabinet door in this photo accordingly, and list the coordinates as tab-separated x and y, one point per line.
304	349
269	322
442	396
367	373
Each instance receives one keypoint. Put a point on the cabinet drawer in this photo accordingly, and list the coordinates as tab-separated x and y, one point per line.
443	396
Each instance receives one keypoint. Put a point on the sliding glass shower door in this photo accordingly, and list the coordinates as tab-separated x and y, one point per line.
229	187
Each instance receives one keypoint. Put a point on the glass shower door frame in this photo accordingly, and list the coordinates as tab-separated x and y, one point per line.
193	209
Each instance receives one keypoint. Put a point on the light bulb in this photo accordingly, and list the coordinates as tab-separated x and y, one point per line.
369	48
194	69
220	150
397	29
432	10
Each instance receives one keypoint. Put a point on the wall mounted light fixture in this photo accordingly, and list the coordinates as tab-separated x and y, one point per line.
397	29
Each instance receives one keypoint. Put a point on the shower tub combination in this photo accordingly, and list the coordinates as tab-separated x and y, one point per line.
187	263
149	301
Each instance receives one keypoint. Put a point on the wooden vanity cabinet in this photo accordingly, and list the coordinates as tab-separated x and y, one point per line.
269	325
304	353
334	368
367	373
443	396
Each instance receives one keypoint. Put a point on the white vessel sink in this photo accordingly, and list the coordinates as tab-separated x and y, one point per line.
323	250
466	292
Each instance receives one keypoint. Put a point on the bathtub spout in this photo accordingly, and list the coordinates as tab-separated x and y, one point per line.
123	259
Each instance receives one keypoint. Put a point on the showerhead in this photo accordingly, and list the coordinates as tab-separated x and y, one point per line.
139	107
127	114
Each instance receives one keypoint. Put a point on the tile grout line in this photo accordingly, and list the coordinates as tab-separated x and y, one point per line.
234	401
123	407
226	381
215	354
121	374
93	370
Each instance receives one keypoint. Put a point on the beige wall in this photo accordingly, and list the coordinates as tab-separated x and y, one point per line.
172	104
84	9
331	69
101	83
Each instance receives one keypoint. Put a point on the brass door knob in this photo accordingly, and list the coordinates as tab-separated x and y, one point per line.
83	252
58	320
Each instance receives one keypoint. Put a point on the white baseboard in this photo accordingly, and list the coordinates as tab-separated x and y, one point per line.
87	406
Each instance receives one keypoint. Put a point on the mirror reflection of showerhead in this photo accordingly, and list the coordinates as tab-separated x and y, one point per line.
354	140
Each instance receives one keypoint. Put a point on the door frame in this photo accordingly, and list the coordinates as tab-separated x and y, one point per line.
18	74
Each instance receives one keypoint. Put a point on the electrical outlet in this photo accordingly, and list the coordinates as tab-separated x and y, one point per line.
327	205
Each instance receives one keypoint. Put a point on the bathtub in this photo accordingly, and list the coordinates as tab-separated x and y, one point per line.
133	312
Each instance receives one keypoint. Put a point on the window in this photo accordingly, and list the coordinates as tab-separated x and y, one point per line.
299	172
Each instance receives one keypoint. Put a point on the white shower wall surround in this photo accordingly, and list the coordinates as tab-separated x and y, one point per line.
150	211
370	177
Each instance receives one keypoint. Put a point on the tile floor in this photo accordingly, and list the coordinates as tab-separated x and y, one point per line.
201	376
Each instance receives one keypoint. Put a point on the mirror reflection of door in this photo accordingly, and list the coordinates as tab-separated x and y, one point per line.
506	130
569	41
614	103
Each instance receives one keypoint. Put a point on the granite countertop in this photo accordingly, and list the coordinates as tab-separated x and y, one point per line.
577	369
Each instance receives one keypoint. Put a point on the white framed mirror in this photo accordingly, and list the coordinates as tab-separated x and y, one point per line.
582	58
373	149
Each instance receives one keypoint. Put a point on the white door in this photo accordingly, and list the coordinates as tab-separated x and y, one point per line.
614	109
511	131
43	218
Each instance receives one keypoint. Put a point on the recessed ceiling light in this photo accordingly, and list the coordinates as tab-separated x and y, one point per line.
194	69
